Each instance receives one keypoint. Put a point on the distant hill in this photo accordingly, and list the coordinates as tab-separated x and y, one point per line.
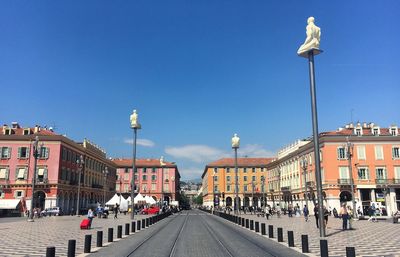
194	181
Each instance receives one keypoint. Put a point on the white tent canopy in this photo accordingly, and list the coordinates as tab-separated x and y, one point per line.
139	198
115	199
149	199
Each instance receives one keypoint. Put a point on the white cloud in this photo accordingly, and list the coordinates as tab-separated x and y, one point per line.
196	153
255	151
188	173
141	142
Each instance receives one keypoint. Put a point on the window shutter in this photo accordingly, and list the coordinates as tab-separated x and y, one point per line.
7	173
16	173
19	152
9	153
26	173
47	153
28	151
45	174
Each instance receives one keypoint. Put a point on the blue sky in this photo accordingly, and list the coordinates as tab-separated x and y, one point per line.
196	71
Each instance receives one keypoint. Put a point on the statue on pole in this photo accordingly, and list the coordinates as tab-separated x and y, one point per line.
313	37
134	120
235	141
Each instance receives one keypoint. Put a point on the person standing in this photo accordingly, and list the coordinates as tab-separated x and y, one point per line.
116	209
306	212
326	216
90	216
316	215
344	214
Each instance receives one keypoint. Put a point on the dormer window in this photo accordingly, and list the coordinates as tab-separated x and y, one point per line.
393	131
358	131
27	131
7	131
376	131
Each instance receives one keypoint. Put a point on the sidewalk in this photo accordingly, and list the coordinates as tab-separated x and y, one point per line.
22	238
369	238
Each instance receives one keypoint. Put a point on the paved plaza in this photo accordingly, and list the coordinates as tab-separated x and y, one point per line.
22	238
369	238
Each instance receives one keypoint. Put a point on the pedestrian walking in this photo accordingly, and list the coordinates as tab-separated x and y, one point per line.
90	216
306	212
326	216
316	215
372	213
344	215
116	209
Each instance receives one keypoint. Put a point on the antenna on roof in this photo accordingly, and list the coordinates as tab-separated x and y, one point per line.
53	127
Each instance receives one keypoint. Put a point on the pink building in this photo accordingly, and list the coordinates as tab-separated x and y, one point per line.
57	173
148	178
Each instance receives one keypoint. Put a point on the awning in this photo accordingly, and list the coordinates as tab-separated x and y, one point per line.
9	204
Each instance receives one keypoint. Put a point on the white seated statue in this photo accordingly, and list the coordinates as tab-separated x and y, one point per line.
313	37
235	141
134	120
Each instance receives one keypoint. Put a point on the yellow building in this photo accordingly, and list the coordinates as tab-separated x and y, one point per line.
220	176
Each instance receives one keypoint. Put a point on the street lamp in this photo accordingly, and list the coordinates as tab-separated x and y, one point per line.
105	172
162	163
263	191
350	147
135	126
304	164
235	146
81	164
213	186
36	153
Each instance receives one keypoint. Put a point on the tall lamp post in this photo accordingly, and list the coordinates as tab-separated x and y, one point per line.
263	191
235	146
349	156
162	163
304	164
36	152
308	50
105	173
213	186
135	125
81	164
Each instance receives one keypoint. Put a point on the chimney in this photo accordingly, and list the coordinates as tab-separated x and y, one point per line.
37	129
371	125
364	125
15	125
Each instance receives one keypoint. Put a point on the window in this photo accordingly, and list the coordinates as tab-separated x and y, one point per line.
228	170
253	178
244	178
215	178
136	170
153	177
126	176
380	173
215	188
228	188
363	173
126	170
153	170
42	174
4	173
215	170
2	194
144	177
358	131
378	152
21	173
153	187
117	187
23	152
397	172
395	152
5	152
253	170
144	170
341	153
344	172
228	178
262	169
393	131
19	194
361	152
375	131
245	188
44	153
136	177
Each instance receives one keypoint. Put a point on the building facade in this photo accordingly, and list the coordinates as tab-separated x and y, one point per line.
219	182
57	173
364	155
151	178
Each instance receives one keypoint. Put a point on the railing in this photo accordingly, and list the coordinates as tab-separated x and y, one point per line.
285	188
381	181
344	181
97	186
42	181
396	181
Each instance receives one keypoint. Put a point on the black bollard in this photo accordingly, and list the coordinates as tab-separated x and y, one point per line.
280	235
243	222
133	226
263	229
270	231
304	244
138	225
143	223
350	252
50	251
323	244
247	223
239	221
88	243
119	231
127	229
147	222
71	248
110	235
251	224
290	238
151	221
99	242
257	227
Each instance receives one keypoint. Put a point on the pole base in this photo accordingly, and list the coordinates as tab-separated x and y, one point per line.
30	220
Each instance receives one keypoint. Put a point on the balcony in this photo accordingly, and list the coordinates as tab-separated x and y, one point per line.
310	184
381	181
344	181
42	181
396	181
97	186
285	188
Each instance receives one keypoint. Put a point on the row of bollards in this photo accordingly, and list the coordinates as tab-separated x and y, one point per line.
255	226
129	228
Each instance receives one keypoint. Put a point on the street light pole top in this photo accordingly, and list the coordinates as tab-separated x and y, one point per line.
105	171
134	120
235	141
312	40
